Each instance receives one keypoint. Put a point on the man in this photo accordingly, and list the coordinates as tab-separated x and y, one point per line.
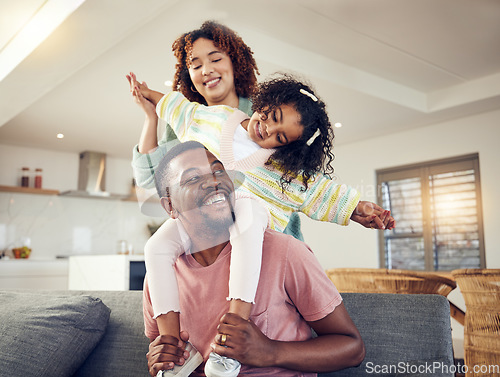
293	296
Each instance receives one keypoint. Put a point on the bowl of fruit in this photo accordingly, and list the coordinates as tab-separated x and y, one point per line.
21	252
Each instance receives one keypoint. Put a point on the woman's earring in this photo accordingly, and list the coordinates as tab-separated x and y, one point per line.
193	89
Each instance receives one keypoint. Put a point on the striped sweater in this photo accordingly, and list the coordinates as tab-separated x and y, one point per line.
144	165
214	126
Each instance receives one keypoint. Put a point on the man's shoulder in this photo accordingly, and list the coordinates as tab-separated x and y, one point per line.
280	242
271	235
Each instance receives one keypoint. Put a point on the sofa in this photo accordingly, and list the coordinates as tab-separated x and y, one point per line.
101	333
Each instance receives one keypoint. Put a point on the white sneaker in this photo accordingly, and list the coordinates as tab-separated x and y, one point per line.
184	370
221	366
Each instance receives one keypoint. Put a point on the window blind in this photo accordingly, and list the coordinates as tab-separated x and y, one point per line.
437	206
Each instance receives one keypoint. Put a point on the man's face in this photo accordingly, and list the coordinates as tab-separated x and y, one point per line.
201	192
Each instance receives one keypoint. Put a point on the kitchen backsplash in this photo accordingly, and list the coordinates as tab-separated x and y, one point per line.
58	225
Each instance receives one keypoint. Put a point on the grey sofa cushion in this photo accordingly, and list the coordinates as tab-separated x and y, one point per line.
48	335
404	335
122	350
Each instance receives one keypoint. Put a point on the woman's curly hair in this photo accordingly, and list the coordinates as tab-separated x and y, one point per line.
297	159
244	65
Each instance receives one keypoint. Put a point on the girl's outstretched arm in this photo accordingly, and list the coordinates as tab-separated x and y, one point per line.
148	141
327	200
146	154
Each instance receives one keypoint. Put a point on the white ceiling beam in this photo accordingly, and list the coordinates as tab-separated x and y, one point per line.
310	64
468	92
283	54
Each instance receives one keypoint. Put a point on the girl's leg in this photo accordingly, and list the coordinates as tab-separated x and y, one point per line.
247	235
161	252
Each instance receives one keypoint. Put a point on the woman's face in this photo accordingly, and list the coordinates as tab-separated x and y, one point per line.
281	127
211	71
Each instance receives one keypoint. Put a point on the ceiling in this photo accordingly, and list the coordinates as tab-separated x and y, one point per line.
381	66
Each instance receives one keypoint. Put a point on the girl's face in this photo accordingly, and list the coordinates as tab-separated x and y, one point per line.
211	71
281	127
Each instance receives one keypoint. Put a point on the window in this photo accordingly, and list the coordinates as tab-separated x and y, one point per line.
438	212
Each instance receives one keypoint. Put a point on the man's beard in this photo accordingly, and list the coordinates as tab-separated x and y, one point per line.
210	229
220	223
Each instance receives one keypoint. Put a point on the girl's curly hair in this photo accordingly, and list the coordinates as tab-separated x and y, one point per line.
297	159
244	65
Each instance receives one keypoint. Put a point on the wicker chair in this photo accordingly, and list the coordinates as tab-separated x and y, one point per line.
367	280
481	291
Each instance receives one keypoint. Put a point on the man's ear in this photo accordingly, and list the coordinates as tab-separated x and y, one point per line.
166	203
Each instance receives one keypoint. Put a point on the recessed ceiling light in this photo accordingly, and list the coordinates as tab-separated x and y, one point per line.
338	125
169	83
60	136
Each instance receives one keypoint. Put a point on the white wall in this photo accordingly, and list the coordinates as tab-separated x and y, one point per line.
60	170
60	225
356	163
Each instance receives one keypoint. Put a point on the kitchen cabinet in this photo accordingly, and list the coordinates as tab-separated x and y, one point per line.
106	272
34	274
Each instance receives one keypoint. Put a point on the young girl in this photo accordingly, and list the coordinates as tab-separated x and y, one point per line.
289	118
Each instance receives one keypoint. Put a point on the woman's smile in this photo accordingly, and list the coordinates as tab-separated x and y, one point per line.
211	83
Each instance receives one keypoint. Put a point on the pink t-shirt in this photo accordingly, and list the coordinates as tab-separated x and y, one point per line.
293	289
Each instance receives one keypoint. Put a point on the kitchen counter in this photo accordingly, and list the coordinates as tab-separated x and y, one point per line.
33	274
114	272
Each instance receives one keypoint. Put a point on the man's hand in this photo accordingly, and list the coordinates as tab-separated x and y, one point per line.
243	341
337	346
165	351
370	215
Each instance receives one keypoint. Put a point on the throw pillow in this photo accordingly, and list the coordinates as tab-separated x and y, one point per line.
46	335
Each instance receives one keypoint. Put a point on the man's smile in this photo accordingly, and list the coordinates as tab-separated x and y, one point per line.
215	198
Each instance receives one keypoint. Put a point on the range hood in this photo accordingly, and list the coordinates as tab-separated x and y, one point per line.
91	177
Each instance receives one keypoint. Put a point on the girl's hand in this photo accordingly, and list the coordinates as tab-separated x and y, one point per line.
370	215
152	96
134	84
138	90
148	107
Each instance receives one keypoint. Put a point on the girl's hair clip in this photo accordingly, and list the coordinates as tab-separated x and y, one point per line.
313	137
312	96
